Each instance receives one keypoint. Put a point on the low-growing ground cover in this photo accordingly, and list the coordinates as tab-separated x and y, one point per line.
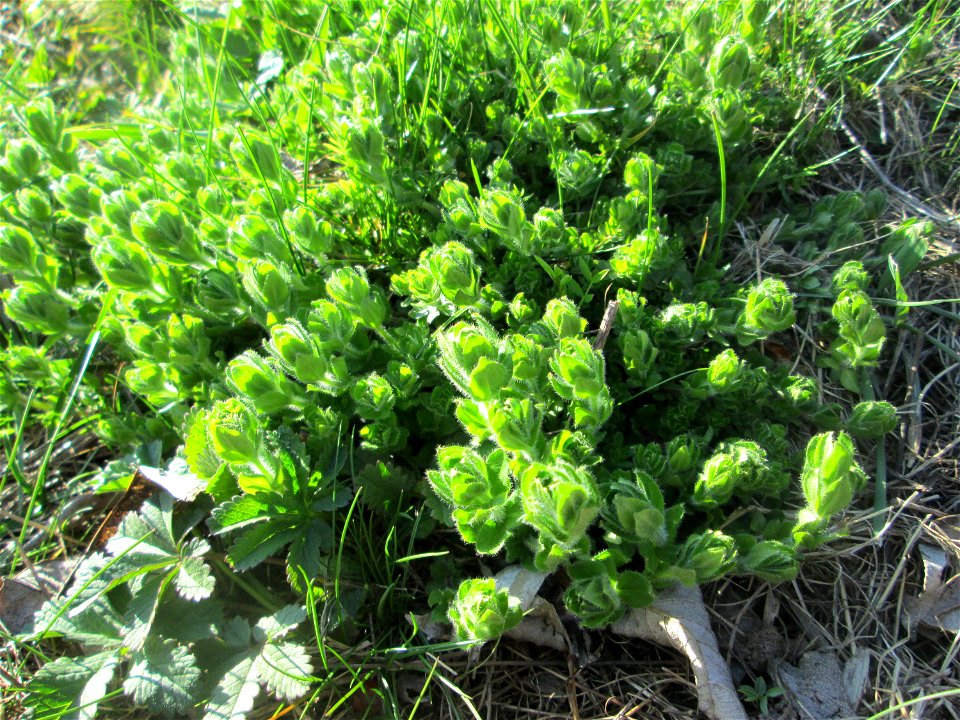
319	315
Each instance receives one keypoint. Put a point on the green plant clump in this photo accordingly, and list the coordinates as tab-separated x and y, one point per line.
500	305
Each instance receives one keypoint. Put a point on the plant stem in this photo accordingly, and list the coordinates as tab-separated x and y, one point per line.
880	482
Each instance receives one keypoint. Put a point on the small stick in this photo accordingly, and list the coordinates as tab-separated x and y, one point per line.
606	325
572	688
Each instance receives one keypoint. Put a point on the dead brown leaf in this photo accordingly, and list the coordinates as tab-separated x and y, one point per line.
23	595
816	688
678	619
938	604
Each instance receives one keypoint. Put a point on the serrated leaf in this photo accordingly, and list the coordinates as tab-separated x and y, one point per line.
908	244
383	484
282	666
257	544
149	532
163	677
288	477
158	513
70	688
135	536
194	580
92	579
198	450
234	695
306	550
141	611
237	512
276	626
291	443
176	479
98	626
84	615
902	299
196	548
188	621
335	499
223	485
236	632
285	668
